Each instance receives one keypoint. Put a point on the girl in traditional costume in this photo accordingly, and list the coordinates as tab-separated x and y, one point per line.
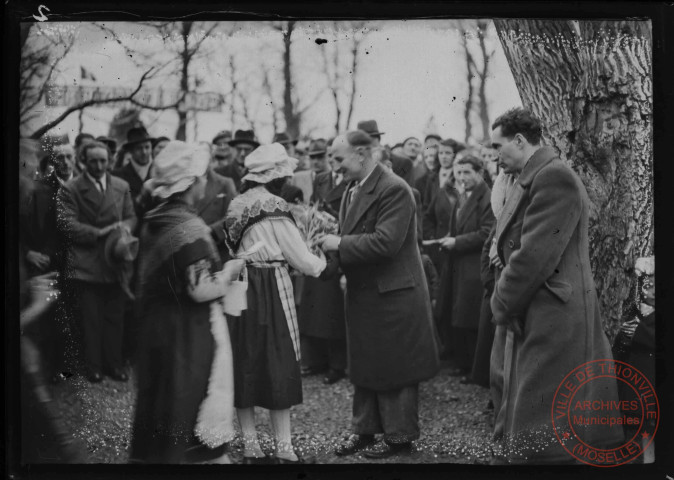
184	410
265	338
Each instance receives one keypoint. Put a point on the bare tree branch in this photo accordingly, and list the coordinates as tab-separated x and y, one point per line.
45	128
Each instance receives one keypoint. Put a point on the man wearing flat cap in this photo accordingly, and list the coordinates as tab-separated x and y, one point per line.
304	179
223	154
244	142
402	166
91	207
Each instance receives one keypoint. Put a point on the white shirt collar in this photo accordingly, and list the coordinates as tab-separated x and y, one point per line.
362	182
141	170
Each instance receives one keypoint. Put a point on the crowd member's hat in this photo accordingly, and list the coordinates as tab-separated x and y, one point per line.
119	252
111	144
137	135
317	148
222	135
244	136
370	127
283	138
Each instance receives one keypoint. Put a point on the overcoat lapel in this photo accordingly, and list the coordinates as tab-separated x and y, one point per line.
362	202
471	204
342	207
516	198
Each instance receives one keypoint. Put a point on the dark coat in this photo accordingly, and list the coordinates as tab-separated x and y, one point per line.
436	222
213	207
82	211
291	193
470	227
546	286
142	202
231	171
321	311
41	233
390	335
327	194
403	167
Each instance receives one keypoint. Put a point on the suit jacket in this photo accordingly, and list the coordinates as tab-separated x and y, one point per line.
231	171
327	194
304	180
546	286
82	211
390	336
213	207
470	227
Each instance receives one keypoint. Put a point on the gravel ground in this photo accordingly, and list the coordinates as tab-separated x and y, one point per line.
455	425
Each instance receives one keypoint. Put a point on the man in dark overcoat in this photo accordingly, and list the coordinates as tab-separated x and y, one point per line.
213	206
138	170
545	297
90	207
471	222
391	344
321	313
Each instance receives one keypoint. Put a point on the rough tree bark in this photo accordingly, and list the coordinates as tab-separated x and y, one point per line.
590	82
483	105
186	56
468	108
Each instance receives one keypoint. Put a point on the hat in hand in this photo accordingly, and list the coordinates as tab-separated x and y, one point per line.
119	252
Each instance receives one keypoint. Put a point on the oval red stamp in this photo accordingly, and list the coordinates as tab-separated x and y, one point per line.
596	426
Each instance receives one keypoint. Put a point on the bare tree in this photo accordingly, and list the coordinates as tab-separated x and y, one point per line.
478	60
41	55
591	84
340	62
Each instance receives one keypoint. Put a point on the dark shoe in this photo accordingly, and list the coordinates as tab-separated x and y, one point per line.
94	376
386	450
355	444
307	371
466	380
333	376
118	374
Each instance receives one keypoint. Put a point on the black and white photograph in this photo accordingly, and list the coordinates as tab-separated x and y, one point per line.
252	239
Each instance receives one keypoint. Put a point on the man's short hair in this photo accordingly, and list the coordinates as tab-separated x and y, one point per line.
450	142
358	138
520	120
433	135
408	139
91	145
471	160
80	138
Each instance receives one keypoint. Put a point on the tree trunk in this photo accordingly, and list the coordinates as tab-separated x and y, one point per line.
186	56
590	82
291	118
469	78
483	75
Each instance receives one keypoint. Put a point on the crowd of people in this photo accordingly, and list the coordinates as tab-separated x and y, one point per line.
438	259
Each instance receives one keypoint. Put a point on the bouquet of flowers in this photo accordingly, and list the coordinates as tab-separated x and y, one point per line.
313	224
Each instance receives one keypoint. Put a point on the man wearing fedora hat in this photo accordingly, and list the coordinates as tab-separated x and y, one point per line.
90	208
402	166
244	142
288	143
138	170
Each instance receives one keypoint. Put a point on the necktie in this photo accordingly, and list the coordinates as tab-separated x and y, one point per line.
100	186
352	195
